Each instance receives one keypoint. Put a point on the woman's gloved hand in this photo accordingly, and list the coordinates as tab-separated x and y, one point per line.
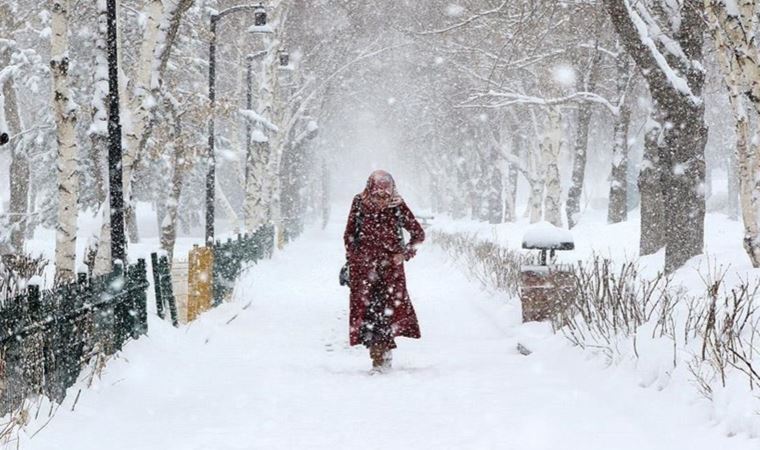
409	252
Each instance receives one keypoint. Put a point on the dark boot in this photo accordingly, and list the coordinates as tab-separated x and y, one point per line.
377	352
387	363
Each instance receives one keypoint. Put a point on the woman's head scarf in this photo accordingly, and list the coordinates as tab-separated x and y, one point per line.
381	191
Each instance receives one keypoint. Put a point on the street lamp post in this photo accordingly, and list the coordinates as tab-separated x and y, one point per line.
259	21
116	189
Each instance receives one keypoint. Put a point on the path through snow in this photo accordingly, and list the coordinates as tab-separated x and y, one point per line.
278	375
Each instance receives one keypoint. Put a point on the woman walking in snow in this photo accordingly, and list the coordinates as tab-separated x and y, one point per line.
380	307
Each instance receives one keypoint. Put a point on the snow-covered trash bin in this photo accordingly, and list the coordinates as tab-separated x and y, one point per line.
546	288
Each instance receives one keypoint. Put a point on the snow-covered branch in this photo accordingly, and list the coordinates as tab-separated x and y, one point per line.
465	22
512	99
645	51
257	118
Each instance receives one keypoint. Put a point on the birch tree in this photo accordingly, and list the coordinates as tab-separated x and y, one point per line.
550	149
587	83
617	210
65	117
11	125
734	29
161	27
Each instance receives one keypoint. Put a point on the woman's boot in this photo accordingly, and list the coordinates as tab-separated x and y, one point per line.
387	362
377	353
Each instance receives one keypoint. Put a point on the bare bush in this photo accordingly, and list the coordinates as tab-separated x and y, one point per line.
15	272
612	301
495	267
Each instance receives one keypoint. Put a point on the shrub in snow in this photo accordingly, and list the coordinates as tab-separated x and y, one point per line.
16	271
655	328
494	266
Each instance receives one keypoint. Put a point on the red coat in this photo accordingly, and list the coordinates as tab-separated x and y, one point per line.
372	261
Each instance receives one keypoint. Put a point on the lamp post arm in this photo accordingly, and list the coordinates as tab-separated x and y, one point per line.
233	10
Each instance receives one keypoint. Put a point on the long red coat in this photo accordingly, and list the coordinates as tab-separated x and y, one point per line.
372	261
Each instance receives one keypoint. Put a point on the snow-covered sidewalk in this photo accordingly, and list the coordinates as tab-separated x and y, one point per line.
272	370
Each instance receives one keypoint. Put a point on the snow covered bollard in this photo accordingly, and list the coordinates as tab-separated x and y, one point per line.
546	288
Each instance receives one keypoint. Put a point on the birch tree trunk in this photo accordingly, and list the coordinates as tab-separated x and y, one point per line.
580	151
19	174
732	188
734	34
510	190
537	184
261	189
495	188
141	106
617	210
99	138
98	130
255	206
510	194
535	172
169	222
19	167
550	160
65	118
746	159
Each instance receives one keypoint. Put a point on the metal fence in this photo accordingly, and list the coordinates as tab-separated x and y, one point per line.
225	262
48	336
232	256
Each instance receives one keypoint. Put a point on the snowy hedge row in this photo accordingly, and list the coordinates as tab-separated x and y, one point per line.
670	338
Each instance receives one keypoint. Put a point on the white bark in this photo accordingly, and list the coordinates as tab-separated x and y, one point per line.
103	256
551	147
738	58
534	173
99	134
65	118
261	186
142	101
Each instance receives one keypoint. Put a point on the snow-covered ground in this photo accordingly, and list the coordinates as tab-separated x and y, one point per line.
272	370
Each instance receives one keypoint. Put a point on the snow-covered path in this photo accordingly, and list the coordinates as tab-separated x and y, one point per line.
272	370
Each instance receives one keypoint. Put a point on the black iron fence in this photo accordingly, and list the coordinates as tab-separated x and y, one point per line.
48	336
227	261
162	286
232	256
